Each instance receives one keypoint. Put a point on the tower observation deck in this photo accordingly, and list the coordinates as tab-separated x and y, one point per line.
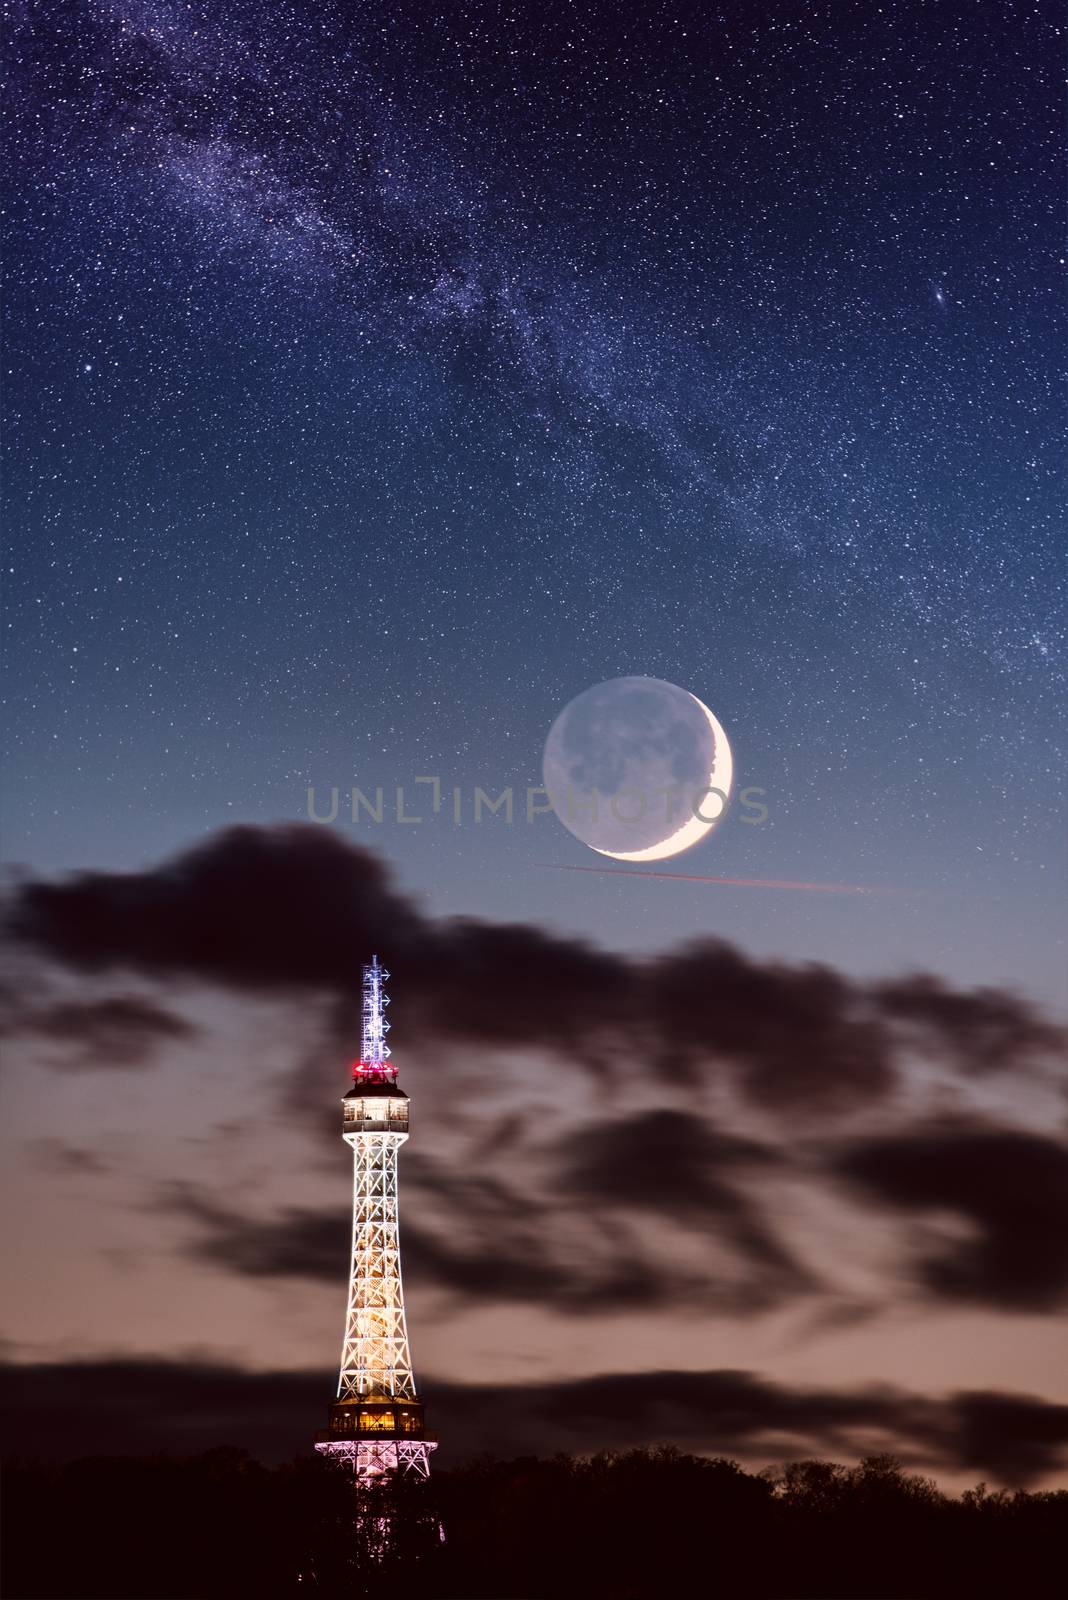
376	1422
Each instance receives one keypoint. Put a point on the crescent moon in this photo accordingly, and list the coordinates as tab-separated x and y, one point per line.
694	829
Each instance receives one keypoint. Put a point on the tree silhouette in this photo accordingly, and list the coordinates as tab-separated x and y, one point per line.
630	1525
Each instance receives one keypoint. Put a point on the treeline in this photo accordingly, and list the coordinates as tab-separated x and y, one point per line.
626	1526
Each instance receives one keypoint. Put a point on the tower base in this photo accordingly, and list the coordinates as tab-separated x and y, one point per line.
374	1458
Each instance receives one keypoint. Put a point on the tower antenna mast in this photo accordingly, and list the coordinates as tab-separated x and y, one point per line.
375	1051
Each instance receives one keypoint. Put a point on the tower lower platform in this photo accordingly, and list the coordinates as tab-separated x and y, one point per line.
373	1458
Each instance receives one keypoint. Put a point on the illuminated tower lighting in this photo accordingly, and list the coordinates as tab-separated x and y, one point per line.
376	1422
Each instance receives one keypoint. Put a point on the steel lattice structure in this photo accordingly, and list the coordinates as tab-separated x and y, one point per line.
371	1460
376	1422
375	1358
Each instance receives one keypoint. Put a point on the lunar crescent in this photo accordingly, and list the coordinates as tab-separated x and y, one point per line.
694	829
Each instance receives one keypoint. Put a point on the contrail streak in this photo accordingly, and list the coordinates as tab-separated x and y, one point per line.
738	883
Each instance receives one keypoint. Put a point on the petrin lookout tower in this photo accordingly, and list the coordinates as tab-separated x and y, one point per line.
376	1422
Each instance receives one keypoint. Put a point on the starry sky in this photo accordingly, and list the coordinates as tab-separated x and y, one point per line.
374	383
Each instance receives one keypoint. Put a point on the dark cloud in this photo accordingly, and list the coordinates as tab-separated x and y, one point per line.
254	908
573	1250
121	1031
130	1406
1007	1187
299	1242
561	1247
673	1164
126	1405
797	1036
984	1030
611	1274
592	1223
1013	1438
1019	1438
58	1156
299	907
517	1261
665	1160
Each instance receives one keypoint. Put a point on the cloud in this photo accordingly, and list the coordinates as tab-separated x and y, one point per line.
1014	1438
1017	1437
658	1210
983	1030
251	908
673	1164
480	1239
798	1036
298	907
121	1031
577	1227
613	1273
127	1405
58	1156
131	1406
1008	1187
299	1242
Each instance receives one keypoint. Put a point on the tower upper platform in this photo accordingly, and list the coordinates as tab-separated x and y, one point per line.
374	1106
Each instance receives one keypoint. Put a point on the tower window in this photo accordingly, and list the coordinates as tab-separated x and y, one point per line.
376	1422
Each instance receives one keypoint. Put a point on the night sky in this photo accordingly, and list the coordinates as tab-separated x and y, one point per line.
375	382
